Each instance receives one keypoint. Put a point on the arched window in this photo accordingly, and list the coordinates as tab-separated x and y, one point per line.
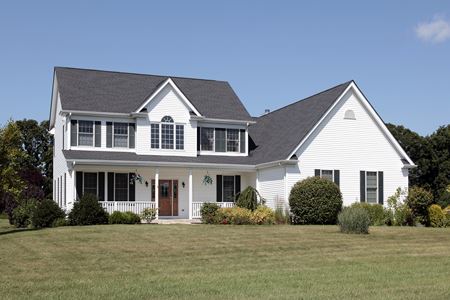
350	115
167	119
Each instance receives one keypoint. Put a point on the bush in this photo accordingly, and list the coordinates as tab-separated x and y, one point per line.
46	213
234	215
263	215
418	200
354	220
87	211
377	213
22	214
149	214
60	222
437	216
208	212
248	198
444	200
315	200
282	216
399	213
128	217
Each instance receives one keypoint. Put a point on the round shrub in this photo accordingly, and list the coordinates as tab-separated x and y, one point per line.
208	212
437	216
377	213
46	213
354	220
263	215
87	211
149	214
22	214
315	200
418	200
128	217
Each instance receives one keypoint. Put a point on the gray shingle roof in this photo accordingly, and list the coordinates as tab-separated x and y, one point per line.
105	91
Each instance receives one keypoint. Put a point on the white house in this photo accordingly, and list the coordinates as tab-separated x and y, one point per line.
173	143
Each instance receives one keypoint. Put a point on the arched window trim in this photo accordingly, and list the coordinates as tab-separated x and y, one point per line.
167	119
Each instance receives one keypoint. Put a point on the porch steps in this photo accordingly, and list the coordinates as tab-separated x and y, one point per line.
176	221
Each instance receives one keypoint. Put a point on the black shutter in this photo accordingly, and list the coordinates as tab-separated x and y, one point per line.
237	184
337	177
73	133
131	188
380	188
101	186
109	134
110	186
243	142
219	188
98	134
362	186
79	185
317	172
131	135
198	138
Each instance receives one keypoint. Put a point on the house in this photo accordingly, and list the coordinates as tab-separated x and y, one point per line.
172	143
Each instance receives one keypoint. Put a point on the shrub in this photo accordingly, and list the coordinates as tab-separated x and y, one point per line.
354	220
60	222
208	212
444	199
128	217
263	215
281	216
399	213
22	214
234	215
149	214
87	211
248	198
377	213
46	213
437	216
418	200
315	200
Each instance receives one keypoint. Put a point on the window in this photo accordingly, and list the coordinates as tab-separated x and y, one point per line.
327	174
154	136
228	189
166	136
371	187
207	139
179	139
90	183
85	133
232	140
121	135
167	119
121	187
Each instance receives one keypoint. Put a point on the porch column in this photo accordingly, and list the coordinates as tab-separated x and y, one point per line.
190	194
157	193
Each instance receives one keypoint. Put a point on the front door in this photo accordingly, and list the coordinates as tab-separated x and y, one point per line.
168	198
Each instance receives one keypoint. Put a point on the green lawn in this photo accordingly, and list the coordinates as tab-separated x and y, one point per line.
204	262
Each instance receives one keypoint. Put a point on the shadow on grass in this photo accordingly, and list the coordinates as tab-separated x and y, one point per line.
17	230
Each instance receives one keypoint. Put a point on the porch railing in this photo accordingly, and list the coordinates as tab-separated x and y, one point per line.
134	206
196	206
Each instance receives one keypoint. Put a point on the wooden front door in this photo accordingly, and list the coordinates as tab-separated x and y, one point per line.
168	198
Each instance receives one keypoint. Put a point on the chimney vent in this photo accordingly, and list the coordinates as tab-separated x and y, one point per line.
266	111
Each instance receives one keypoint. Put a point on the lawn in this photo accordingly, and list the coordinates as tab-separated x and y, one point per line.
206	261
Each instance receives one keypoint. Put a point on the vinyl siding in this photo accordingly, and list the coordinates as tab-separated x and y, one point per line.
271	186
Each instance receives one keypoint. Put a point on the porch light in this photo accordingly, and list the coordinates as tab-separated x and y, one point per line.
183	184
146	184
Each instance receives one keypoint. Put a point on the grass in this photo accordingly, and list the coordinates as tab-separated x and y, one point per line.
204	262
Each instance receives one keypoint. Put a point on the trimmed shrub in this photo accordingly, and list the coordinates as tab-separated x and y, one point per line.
315	200
22	214
354	220
46	213
418	200
377	213
234	215
437	216
282	216
149	214
263	215
208	212
248	198
118	217
87	211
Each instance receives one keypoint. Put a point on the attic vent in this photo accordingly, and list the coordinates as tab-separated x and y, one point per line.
349	115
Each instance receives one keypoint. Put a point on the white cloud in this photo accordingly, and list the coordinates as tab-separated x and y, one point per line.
435	31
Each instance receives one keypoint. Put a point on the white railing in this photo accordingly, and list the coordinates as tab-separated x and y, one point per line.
134	206
196	207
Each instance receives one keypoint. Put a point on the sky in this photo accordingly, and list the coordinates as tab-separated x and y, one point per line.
271	52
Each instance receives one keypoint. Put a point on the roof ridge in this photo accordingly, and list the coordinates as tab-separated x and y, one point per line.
134	73
307	98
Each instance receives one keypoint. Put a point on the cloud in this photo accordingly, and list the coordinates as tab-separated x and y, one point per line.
435	31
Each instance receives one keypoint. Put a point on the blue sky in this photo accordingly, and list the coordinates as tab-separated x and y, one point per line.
271	52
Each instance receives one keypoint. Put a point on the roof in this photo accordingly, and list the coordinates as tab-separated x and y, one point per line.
276	134
117	92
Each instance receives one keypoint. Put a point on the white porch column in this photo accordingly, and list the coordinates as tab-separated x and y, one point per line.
190	194
157	193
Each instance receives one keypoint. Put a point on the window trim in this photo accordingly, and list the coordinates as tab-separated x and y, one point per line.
114	135
174	128
376	187
332	174
226	140
78	133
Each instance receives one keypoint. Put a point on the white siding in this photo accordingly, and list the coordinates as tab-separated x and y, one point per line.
271	186
350	146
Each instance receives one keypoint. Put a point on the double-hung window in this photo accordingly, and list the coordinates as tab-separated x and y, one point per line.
327	174
85	133
232	140
331	175
121	135
228	189
371	187
154	136
90	183
222	140
167	134
121	187
207	139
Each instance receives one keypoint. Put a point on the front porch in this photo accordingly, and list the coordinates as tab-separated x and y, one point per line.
176	193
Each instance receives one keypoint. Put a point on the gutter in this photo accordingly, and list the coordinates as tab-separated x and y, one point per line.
285	162
213	120
102	114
